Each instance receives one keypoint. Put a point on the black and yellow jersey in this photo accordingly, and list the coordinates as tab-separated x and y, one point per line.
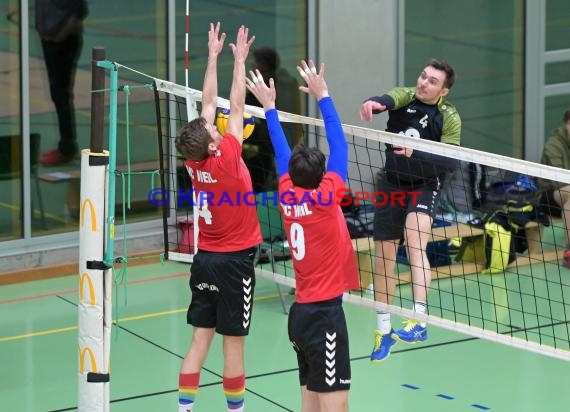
410	117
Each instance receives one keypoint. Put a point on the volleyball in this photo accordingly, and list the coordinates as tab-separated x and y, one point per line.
222	121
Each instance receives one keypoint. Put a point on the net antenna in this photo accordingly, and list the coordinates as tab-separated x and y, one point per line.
191	113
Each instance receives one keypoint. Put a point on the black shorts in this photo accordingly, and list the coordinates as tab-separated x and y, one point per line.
222	286
390	215
319	335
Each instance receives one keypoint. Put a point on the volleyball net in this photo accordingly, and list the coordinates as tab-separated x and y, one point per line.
495	249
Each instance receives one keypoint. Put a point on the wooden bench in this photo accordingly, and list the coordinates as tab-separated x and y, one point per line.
364	248
72	176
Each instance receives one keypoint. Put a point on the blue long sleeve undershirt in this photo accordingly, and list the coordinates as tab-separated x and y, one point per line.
338	160
279	142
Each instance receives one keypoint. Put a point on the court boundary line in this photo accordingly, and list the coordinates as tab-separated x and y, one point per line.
67	292
156	345
115	322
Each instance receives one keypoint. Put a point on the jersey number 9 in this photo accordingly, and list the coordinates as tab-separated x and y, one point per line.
297	241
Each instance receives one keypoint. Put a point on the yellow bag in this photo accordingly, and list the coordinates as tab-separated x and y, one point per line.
498	248
472	249
493	250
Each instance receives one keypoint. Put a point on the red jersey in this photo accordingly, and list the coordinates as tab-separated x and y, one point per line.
227	217
323	256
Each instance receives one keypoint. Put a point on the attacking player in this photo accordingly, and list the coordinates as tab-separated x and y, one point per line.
222	277
416	112
323	256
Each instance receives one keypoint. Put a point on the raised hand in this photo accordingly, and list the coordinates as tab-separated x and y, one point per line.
265	94
367	108
316	84
240	48
215	40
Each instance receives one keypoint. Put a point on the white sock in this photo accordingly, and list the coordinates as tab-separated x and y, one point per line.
240	409
383	322
420	307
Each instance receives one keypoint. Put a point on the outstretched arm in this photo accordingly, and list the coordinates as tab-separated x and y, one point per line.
237	93
266	96
210	87
316	86
375	105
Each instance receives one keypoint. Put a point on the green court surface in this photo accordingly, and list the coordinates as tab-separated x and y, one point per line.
449	372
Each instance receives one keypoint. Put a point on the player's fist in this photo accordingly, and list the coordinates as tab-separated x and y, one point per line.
369	108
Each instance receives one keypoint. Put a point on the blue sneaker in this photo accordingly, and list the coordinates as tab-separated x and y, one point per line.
413	332
382	345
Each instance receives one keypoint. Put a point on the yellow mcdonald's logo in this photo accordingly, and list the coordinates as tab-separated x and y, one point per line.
82	353
91	212
82	280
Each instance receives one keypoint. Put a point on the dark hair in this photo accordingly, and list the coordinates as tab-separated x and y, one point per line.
444	67
566	115
307	166
193	140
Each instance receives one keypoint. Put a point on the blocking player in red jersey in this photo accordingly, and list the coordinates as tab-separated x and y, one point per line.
222	277
323	256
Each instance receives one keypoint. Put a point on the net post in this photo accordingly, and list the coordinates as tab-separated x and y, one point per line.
94	305
97	99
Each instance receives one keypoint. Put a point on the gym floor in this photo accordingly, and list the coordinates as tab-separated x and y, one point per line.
449	372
